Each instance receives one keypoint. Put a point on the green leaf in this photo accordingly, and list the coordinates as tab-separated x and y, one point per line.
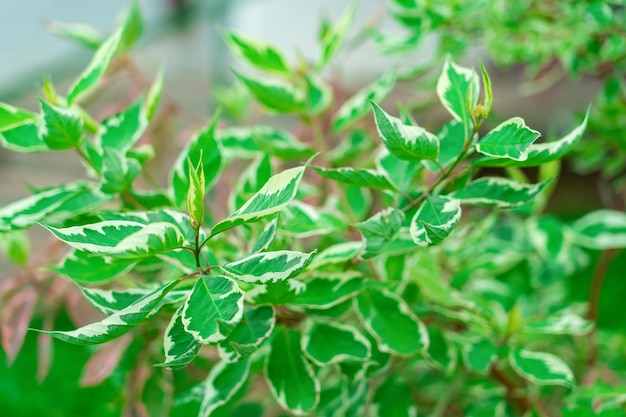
379	230
118	171
330	343
202	148
131	26
89	78
275	95
24	139
540	153
541	368
275	294
411	143
368	178
85	201
279	143
452	139
24	213
274	196
511	139
269	267
153	97
319	94
84	35
601	229
61	128
290	377
498	192
400	173
238	143
390	321
180	347
304	220
434	220
256	174
13	117
458	88
561	324
123	130
334	36
16	247
266	238
337	254
478	355
223	382
213	308
195	194
488	91
112	301
356	107
441	353
394	398
117	324
247	336
257	53
84	268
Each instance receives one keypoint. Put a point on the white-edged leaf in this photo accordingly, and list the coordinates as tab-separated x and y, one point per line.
62	128
180	347
390	321
153	98
224	380
479	354
274	94
541	368
275	294
498	192
601	229
569	323
269	267
214	307
85	268
411	143
89	78
393	398
399	172
13	117
257	53
254	328
290	377
335	254
82	34
511	139
333	36
324	291
266	238
379	230
435	219
304	220
329	343
458	89
112	301
23	139
368	178
117	324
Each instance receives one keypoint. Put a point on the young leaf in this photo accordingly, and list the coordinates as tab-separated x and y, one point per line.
202	147
511	139
12	117
61	128
290	377
368	178
488	91
274	94
223	382
356	107
434	220
255	327
257	53
390	321
541	368
333	37
329	343
601	229
195	194
478	355
498	192
153	97
180	347
23	139
16	247
393	398
117	324
277	192
266	237
82	34
213	308
411	143
96	69
379	230
131	26
326	291
269	267
458	87
84	268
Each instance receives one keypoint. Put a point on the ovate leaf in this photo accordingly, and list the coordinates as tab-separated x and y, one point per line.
24	139
368	178
13	117
390	321
257	53
601	229
214	307
255	327
224	380
458	88
434	220
328	343
499	192
541	368
290	377
268	267
511	139
274	94
61	128
180	347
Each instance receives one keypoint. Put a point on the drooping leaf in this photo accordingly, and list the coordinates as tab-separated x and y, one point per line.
89	78
498	192
479	354
511	139
393	398
368	178
324	291
601	229
357	106
255	327
257	53
214	307
61	128
541	368
412	143
290	377
86	268
269	267
458	89
277	192
223	382
435	219
180	347
329	343
391	322
333	36
379	230
117	324
201	147
275	95
13	117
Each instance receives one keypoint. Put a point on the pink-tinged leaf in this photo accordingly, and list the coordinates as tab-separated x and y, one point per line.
104	361
16	316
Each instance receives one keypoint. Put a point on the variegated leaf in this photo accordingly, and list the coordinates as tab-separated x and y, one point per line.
458	89
400	173
214	307
601	229
274	94
23	139
541	368
368	178
247	336
268	267
178	219
258	53
326	291
479	354
112	301
85	268
180	347
335	254
279	143
62	128
390	321
224	380
277	192
290	377
499	192
434	220
266	238
393	398
82	34
304	220
117	324
277	293
411	143
256	174
569	323
238	142
334	35
511	139
123	130
13	117
329	343
379	230
153	98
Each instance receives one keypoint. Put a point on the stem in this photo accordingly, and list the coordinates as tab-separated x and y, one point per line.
521	403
